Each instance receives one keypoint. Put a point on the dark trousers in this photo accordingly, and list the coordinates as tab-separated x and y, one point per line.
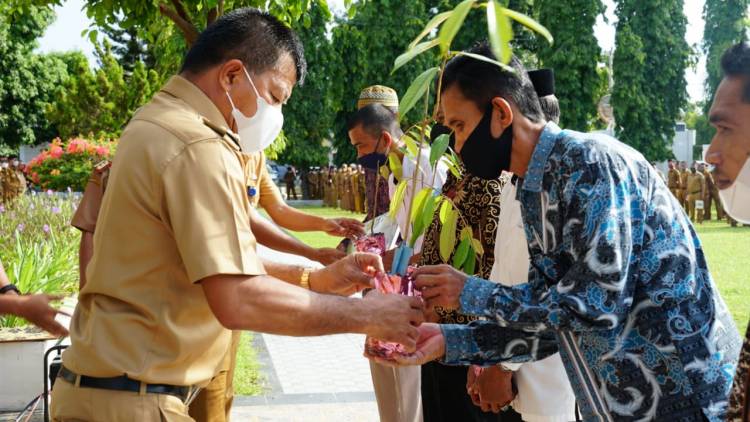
444	397
291	191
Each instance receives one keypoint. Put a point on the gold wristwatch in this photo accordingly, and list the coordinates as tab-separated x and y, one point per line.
304	280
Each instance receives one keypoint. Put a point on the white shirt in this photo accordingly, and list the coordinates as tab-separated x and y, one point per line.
544	392
424	179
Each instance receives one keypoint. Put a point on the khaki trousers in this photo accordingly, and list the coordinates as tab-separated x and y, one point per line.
696	216
214	402
78	404
398	392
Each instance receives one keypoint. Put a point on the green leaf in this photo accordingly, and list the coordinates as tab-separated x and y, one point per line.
432	24
477	246
92	35
413	52
428	213
398	197
448	235
445	209
417	204
417	89
438	148
411	144
466	234
462	252
500	31
471	263
451	26
529	23
486	59
395	166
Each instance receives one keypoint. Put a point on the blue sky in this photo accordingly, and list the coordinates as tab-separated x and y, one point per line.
65	34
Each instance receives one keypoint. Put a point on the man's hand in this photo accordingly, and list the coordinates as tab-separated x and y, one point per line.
494	387
393	318
430	346
471	378
37	310
344	227
441	285
328	256
346	276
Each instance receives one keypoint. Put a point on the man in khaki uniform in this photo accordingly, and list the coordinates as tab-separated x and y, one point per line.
355	191
696	191
673	179
174	263
312	181
712	196
684	172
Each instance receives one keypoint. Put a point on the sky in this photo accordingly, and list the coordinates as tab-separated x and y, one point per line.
65	34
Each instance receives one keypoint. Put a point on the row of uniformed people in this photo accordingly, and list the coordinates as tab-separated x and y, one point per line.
12	179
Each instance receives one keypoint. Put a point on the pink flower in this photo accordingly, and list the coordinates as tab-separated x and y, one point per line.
20	227
2	208
56	151
102	151
56	210
46	228
49	192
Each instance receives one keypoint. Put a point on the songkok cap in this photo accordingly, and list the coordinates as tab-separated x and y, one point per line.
377	94
543	81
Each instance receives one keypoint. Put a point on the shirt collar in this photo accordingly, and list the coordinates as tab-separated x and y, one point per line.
533	179
187	91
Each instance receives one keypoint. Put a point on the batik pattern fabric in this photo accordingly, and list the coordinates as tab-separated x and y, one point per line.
618	283
478	201
381	204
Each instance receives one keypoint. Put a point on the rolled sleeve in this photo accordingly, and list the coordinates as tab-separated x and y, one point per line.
208	213
87	212
269	192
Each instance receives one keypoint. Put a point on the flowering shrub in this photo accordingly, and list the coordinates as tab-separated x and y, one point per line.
38	247
67	165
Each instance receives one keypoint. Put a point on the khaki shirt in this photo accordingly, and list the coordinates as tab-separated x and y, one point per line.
683	178
175	212
695	183
673	179
87	212
261	190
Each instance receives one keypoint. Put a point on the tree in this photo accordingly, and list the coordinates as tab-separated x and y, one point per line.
650	58
171	26
366	47
574	57
27	80
311	112
129	48
725	26
100	102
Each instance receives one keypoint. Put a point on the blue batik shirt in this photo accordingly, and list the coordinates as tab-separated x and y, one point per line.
618	283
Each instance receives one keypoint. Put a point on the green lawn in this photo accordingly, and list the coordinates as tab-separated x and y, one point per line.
248	380
727	251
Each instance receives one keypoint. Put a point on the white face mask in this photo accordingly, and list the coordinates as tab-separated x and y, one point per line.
258	132
736	198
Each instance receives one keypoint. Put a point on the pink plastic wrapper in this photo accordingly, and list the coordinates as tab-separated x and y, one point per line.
392	284
371	243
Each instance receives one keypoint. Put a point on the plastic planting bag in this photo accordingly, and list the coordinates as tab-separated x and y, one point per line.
391	284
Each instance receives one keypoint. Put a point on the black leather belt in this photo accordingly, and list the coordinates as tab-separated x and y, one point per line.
123	383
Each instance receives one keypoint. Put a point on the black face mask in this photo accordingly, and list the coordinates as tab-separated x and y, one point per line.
373	160
485	156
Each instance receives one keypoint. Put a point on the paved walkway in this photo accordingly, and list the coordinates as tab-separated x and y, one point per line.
310	378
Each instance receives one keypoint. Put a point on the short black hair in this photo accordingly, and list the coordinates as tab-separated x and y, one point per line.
481	81
736	63
248	34
550	108
375	118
